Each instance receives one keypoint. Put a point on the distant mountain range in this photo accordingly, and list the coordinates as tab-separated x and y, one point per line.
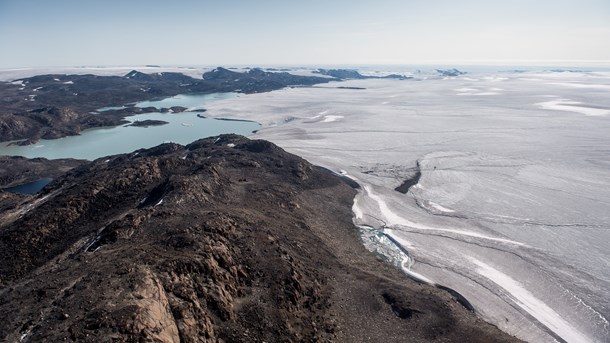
54	106
354	74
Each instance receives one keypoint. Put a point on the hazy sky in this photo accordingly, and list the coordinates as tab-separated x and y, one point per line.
108	32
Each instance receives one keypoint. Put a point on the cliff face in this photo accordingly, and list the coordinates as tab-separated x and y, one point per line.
226	239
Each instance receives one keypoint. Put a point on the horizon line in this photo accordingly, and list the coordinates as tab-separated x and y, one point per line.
481	62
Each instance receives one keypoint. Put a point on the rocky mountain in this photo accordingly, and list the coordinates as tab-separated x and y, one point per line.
450	72
223	240
50	123
53	106
345	74
257	80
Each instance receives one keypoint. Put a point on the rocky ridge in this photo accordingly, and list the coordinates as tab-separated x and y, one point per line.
223	240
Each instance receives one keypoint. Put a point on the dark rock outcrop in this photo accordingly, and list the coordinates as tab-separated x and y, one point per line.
354	74
50	123
450	72
147	123
223	240
411	181
341	73
257	80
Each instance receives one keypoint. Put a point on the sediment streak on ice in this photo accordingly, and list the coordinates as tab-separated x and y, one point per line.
393	219
532	305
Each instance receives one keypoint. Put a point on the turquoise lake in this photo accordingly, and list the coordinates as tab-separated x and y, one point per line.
183	128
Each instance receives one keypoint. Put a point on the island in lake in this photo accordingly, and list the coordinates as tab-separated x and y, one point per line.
148	122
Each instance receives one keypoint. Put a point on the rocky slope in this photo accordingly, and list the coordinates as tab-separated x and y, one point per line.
223	240
16	170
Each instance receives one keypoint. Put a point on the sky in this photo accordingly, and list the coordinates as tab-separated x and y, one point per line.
36	33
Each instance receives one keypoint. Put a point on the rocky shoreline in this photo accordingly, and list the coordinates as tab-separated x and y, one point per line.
225	239
148	123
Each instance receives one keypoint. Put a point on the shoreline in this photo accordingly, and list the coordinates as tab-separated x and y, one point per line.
52	106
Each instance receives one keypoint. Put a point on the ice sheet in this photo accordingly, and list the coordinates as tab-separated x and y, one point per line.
504	181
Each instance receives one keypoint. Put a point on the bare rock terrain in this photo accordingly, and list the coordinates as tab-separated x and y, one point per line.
223	240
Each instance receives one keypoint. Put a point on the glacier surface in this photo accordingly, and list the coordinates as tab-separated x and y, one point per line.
512	209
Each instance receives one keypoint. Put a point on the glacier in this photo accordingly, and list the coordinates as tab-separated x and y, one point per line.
512	209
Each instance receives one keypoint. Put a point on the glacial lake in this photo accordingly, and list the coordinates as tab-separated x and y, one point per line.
30	187
183	128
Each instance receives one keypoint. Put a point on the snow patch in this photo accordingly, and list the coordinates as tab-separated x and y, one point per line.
358	214
580	85
495	78
479	93
24	335
570	106
328	119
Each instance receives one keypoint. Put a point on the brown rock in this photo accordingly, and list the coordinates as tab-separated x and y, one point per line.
154	247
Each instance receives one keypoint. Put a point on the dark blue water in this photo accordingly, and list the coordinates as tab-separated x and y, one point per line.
29	188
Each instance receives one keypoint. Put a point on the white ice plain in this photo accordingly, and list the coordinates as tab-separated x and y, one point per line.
513	206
